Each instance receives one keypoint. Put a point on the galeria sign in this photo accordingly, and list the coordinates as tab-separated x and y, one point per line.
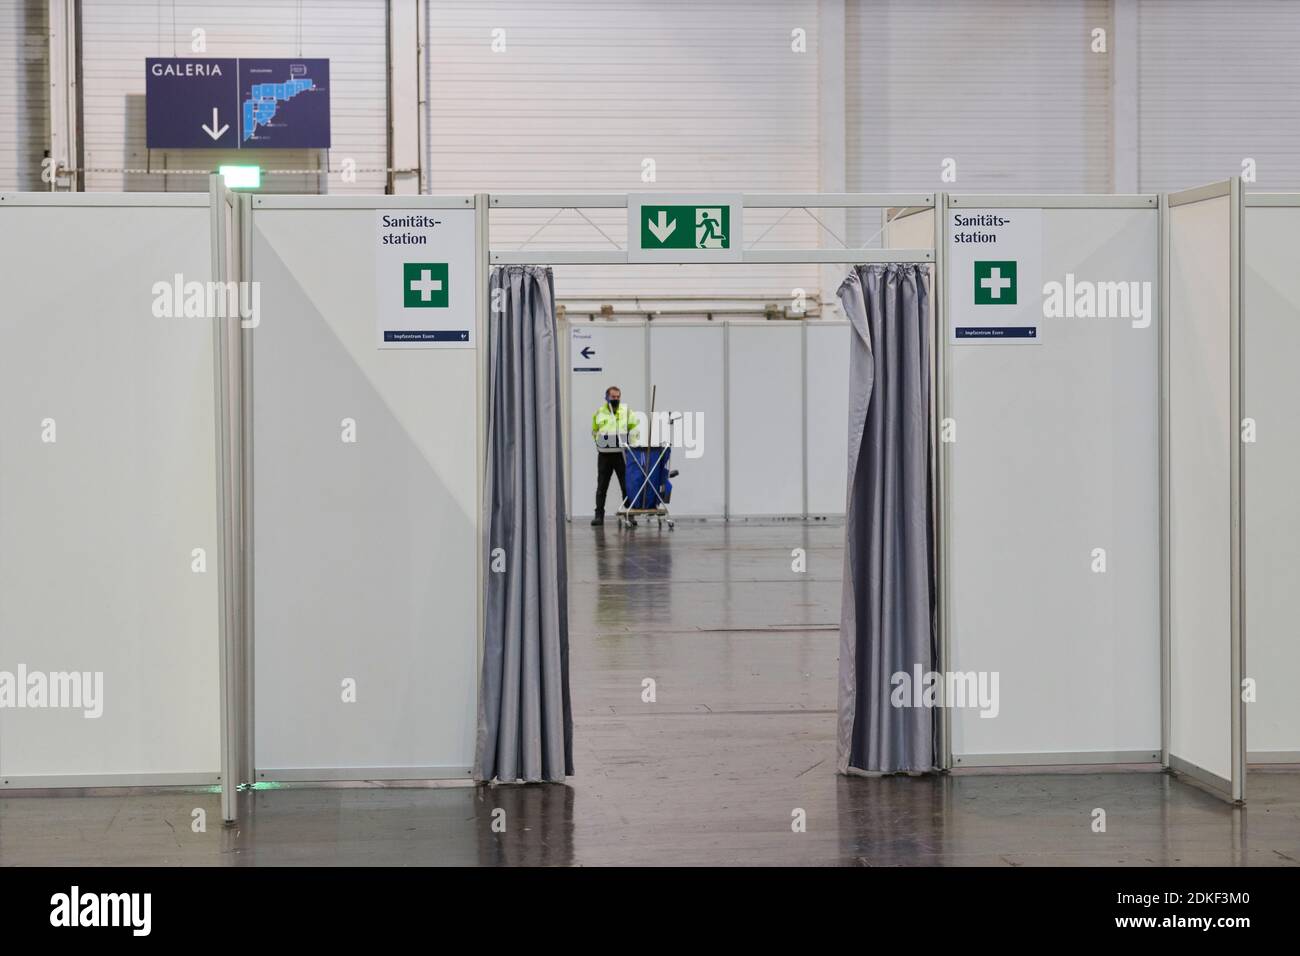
425	288
237	103
684	228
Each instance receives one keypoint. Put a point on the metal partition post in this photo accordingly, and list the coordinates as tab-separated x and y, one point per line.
1236	391
726	421
241	767
648	404
564	329
246	774
941	511
482	222
227	538
1163	399
803	418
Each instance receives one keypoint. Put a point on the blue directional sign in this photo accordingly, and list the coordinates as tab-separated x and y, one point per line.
191	103
228	103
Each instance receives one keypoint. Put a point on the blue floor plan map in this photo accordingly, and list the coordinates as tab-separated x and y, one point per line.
261	107
284	104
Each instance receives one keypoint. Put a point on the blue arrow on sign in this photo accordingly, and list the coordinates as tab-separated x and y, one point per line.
587	352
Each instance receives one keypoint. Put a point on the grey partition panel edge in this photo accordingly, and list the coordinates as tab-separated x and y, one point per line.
1270	341
1193	666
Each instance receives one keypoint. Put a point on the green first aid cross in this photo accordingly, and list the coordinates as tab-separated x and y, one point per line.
685	227
424	285
995	283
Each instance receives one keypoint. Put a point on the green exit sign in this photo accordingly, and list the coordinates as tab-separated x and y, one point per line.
684	229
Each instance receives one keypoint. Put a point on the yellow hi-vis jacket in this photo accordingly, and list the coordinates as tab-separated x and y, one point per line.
607	424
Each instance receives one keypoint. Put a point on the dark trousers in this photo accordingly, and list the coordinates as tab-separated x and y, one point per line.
608	463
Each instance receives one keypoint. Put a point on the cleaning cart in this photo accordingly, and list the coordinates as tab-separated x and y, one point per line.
647	477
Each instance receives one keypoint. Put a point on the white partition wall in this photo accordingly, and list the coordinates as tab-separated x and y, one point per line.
1094	520
366	595
1271	474
1202	486
686	370
110	519
765	419
911	228
826	381
1052	492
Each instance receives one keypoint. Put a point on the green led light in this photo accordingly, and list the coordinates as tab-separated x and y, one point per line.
241	177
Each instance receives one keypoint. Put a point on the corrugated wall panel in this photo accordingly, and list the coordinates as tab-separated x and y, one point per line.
117	36
586	90
1218	84
1008	88
24	93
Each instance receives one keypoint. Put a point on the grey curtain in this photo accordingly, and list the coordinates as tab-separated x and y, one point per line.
525	723
887	615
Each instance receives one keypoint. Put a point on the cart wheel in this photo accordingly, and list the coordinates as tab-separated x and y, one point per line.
632	522
670	524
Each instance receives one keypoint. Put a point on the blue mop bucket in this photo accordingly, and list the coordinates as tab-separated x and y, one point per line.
638	463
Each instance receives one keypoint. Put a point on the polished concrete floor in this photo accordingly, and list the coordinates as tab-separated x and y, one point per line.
742	653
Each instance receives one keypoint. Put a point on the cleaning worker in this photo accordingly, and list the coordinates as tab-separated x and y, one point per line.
612	428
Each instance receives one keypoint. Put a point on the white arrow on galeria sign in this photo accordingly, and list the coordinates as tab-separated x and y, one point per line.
215	131
664	228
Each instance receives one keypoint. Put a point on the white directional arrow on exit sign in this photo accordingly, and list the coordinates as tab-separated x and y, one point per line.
664	228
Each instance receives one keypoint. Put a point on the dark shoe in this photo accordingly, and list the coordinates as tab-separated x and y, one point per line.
598	520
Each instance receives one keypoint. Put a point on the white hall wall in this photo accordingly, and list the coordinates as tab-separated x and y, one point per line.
117	36
1007	89
1011	89
1216	85
24	92
585	92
